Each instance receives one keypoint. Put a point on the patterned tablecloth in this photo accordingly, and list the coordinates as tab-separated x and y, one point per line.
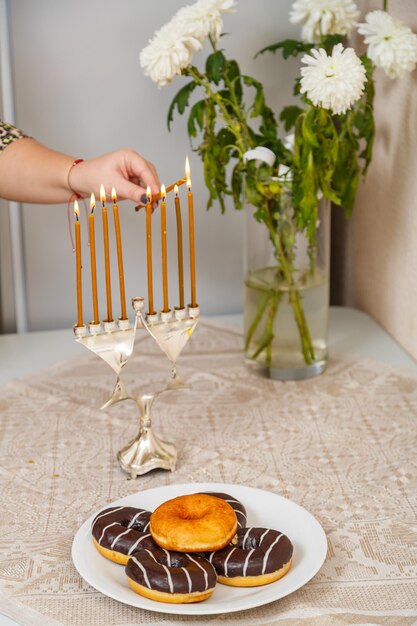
342	445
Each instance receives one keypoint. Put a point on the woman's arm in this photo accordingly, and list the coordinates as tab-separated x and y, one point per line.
31	172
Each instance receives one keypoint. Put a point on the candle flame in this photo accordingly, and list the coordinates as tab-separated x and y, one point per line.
76	210
102	194
92	202
148	193
176	190
163	193
187	169
113	195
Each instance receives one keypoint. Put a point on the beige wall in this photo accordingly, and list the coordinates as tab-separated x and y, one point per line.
380	241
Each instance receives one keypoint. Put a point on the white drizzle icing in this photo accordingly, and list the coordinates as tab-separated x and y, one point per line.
262	536
226	560
267	553
246	536
145	575
113	543
190	586
137	542
146	527
107	513
135	518
245	567
168	557
104	530
171	588
202	568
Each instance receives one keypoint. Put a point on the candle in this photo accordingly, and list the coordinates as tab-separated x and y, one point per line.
179	246
191	233
78	266
157	196
106	254
119	255
164	248
96	318
149	249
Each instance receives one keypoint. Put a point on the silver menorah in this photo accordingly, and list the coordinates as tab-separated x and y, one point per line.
114	343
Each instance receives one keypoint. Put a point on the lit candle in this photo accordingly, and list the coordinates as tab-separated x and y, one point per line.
106	254
164	248
191	233
179	245
96	318
119	254
157	196
149	249
78	264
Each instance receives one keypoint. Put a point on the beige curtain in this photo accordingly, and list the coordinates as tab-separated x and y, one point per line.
374	255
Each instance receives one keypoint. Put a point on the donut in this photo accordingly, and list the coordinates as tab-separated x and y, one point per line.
120	531
193	523
261	556
239	509
174	577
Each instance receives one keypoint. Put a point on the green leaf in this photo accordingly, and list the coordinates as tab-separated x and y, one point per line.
180	101
237	186
215	66
328	41
289	47
196	117
289	115
307	129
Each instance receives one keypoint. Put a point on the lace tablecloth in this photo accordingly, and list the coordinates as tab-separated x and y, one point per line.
342	445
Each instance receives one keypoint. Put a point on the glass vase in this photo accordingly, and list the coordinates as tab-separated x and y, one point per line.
287	292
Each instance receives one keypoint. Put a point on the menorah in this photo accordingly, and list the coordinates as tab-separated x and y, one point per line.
113	341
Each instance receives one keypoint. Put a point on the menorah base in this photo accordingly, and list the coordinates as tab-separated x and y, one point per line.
147	452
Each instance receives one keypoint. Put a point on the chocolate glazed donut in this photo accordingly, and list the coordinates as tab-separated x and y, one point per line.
261	556
237	506
120	531
168	576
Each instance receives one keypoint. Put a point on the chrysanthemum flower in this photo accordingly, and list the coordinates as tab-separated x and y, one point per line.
392	45
205	17
172	47
333	82
324	17
168	53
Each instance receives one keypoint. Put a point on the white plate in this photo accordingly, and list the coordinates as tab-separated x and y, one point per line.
264	509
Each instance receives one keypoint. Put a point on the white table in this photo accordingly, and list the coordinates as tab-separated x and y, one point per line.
351	332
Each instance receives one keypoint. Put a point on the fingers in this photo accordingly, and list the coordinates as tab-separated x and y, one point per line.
128	190
145	171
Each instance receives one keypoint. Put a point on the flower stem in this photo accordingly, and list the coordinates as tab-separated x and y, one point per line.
270	326
385	5
307	347
256	321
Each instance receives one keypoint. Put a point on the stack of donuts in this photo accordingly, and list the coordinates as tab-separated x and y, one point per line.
178	553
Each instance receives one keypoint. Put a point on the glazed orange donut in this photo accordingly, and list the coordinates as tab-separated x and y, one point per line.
193	523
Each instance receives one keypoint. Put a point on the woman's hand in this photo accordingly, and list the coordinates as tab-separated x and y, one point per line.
125	170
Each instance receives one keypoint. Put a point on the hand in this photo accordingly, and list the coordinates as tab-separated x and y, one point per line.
125	170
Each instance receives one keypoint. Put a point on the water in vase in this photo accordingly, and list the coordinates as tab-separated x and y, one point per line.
271	331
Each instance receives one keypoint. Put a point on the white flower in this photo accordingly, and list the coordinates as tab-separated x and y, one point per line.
171	49
334	82
392	45
204	18
168	52
324	17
